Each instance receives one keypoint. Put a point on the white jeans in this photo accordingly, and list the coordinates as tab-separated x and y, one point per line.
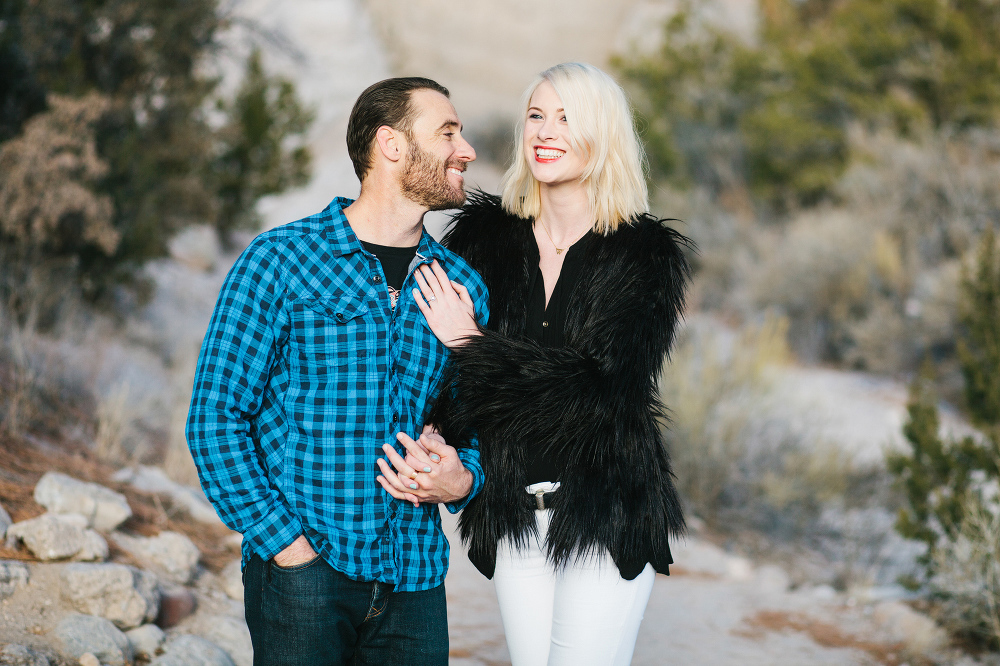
584	614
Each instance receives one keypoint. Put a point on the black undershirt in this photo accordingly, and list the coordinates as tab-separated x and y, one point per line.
546	326
395	264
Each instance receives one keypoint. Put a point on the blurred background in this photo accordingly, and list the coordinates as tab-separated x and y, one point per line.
834	398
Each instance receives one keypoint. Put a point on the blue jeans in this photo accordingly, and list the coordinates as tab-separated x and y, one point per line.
313	615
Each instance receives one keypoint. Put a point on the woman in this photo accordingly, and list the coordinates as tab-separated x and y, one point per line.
586	290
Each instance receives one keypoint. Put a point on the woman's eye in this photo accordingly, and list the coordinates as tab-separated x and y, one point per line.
535	116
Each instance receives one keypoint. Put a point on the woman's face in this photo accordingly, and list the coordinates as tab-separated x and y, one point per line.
547	146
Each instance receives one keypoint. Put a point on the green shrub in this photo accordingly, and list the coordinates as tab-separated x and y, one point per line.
775	114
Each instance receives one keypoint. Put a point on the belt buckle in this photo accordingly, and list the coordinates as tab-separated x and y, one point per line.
540	499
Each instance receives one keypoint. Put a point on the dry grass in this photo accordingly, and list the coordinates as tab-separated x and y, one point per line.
713	386
825	634
966	582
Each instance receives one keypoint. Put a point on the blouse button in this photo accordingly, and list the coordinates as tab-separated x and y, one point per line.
545	324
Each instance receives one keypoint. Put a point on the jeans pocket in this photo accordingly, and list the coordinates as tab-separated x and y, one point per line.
296	567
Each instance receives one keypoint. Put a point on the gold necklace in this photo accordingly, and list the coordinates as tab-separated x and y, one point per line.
560	250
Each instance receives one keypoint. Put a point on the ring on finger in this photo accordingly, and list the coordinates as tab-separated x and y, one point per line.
413	474
432	298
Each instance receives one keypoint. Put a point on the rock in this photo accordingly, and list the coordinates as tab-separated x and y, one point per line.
916	631
12	576
232	580
89	659
5	521
155	480
171	555
176	603
94	548
231	635
55	537
19	655
124	595
192	651
103	508
80	634
145	640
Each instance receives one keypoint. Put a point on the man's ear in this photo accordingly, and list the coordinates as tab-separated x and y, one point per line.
390	142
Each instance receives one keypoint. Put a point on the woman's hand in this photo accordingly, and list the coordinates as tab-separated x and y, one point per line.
432	472
446	305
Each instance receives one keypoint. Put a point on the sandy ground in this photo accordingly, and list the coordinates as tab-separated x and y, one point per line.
715	609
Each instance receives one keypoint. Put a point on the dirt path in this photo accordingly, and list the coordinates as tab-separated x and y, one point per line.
716	609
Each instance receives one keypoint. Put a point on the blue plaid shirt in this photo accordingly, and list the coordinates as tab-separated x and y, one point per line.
305	372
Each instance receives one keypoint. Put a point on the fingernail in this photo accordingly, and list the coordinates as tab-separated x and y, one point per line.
413	486
427	469
435	457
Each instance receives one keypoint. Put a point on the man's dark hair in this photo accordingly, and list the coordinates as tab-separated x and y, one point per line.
384	103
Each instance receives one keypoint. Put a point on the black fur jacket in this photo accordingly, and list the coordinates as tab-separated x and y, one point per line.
593	404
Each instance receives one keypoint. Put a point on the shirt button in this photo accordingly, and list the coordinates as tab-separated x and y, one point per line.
340	316
395	418
377	279
545	324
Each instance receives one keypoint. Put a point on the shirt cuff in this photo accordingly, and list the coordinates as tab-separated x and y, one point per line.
273	533
469	458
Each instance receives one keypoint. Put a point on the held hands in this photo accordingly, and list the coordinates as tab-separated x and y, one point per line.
432	471
446	305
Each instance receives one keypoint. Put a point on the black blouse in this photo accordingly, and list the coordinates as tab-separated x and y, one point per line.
545	325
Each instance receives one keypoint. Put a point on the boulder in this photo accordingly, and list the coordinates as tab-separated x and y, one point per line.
19	655
192	651
232	580
88	659
103	508
124	595
147	479
55	537
78	635
145	640
230	634
5	522
12	576
176	603
171	555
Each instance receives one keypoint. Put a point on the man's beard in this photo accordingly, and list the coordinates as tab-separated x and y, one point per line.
425	181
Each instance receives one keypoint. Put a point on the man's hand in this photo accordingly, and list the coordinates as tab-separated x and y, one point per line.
432	471
297	552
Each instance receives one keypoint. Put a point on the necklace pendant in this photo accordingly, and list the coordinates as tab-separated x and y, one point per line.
558	251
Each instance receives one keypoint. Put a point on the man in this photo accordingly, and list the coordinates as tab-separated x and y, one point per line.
316	358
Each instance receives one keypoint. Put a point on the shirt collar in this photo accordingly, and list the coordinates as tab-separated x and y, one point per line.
344	241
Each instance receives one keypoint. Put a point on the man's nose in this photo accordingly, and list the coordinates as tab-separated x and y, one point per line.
465	151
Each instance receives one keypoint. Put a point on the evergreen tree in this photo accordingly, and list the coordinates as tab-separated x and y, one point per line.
164	169
941	477
979	342
255	161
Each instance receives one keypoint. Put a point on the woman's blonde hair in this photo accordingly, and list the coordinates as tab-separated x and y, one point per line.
601	128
